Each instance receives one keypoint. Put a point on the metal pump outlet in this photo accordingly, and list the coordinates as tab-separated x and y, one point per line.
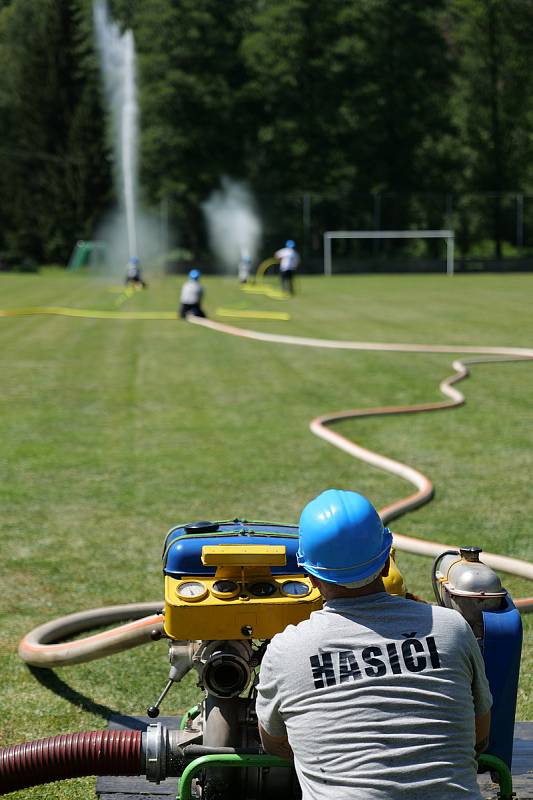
224	668
463	582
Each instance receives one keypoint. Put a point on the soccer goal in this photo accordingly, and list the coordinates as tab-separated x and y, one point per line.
448	236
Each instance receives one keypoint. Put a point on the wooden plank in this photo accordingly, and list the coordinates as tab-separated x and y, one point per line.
138	788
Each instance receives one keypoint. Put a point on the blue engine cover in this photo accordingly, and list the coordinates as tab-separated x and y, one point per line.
182	554
502	647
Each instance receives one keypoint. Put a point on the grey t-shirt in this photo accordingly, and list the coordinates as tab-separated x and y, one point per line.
377	696
191	292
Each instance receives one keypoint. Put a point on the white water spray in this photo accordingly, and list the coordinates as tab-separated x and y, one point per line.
233	224
117	58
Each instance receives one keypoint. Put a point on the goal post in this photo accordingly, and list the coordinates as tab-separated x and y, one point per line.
447	235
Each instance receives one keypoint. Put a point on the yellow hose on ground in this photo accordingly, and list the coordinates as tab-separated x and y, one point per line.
125	295
265	289
260	286
86	313
262	268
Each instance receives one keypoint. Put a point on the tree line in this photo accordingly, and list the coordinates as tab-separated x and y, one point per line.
331	100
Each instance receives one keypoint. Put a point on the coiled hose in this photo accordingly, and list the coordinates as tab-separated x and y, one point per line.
70	755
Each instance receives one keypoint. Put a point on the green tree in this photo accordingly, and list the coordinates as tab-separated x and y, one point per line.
191	124
55	174
402	95
494	101
298	75
355	99
5	127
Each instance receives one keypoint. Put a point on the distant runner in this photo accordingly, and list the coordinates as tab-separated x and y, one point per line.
288	263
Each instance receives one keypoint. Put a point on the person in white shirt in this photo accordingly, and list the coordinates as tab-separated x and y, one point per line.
288	263
191	296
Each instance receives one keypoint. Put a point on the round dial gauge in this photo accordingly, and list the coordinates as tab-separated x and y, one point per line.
192	591
225	589
262	589
295	588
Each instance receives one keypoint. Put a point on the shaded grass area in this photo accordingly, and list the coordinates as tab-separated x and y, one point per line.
113	431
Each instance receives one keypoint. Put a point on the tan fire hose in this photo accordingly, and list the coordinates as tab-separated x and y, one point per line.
40	648
424	493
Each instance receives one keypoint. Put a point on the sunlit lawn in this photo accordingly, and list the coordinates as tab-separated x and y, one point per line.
113	431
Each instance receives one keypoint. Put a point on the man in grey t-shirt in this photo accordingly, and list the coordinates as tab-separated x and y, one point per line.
375	697
191	296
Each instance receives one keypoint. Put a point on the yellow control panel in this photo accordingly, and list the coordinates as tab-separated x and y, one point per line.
243	600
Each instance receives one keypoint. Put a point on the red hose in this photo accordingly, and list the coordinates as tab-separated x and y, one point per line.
70	755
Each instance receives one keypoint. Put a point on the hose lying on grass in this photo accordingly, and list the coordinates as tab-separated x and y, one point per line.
39	647
424	493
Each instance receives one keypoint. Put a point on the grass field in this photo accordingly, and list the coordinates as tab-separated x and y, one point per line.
113	431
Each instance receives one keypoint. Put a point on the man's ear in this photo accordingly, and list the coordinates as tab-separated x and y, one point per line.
386	567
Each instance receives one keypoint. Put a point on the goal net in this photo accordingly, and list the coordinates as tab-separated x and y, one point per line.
447	235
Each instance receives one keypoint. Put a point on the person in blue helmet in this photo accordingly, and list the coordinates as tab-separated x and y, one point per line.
133	273
192	293
289	261
375	697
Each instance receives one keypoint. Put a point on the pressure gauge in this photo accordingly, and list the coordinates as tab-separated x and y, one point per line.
191	591
295	588
225	589
262	589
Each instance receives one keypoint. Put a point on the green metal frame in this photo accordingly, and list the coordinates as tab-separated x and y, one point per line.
192	713
230	760
493	763
498	766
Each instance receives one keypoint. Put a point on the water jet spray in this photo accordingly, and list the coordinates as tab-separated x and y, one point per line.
117	60
233	224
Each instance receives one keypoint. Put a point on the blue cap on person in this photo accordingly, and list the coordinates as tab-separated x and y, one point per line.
290	243
194	274
134	260
342	539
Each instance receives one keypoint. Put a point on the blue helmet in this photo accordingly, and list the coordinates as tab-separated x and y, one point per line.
134	260
342	538
290	243
194	274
